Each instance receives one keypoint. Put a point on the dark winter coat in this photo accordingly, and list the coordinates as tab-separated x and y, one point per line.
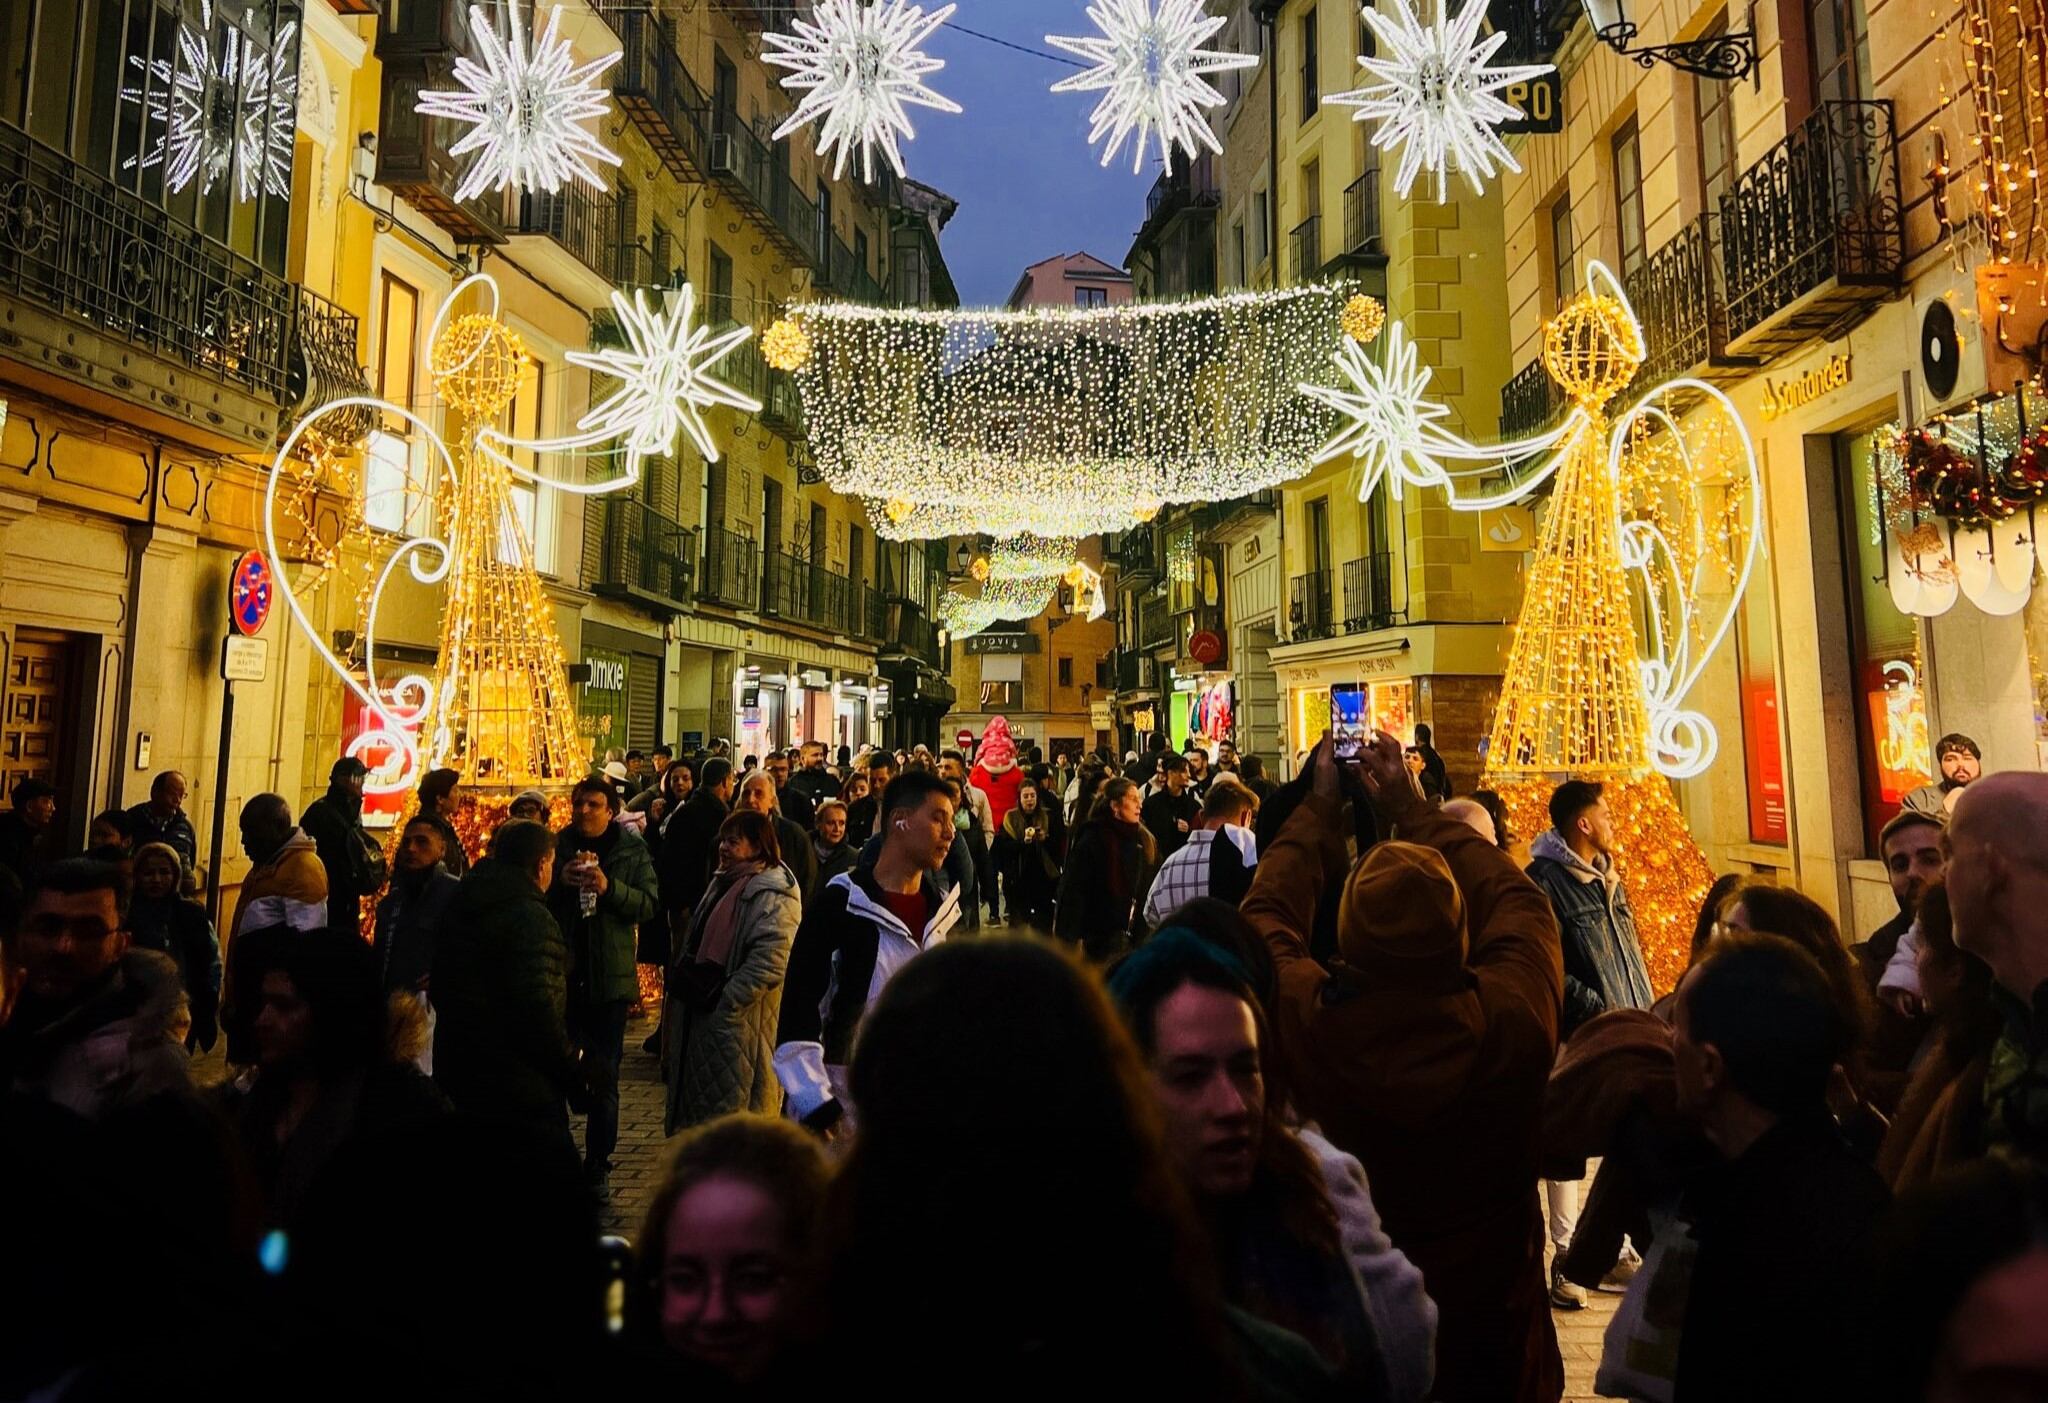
409	921
1099	888
179	928
722	1059
689	852
797	806
815	785
22	849
798	856
334	822
500	982
108	1051
602	945
453	858
840	859
1603	960
353	1105
175	832
1163	814
861	816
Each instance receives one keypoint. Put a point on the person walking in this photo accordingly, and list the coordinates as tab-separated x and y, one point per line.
603	888
500	979
161	819
1036	840
724	990
977	825
409	918
828	842
793	804
813	780
1218	859
1573	862
863	816
864	926
689	846
160	919
1435	772
1172	811
1423	1049
438	803
355	863
28	830
759	795
1104	875
286	886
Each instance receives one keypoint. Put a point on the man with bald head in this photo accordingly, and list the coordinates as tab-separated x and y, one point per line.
1997	845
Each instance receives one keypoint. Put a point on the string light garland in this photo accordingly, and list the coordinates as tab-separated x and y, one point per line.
216	109
526	105
1437	99
1064	422
859	64
1151	68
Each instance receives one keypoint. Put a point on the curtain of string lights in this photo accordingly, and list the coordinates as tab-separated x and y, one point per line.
1064	422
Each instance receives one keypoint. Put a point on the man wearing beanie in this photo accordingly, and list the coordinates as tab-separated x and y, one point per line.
1424	1050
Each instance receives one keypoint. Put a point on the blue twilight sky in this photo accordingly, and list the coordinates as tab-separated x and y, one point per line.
1018	159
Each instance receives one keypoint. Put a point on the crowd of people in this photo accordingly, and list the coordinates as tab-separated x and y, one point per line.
998	1074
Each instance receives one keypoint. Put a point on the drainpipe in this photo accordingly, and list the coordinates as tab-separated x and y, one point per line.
1268	14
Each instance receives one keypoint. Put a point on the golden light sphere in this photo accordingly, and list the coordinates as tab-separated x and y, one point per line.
897	509
476	363
786	346
1362	318
1593	348
979	569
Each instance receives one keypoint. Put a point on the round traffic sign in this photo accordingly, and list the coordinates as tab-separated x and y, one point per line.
250	587
963	737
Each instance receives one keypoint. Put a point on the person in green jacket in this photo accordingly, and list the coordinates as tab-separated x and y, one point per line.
500	988
603	889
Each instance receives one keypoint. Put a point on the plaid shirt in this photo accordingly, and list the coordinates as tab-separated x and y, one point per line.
1202	867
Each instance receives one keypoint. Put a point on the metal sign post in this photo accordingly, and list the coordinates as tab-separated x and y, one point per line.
242	659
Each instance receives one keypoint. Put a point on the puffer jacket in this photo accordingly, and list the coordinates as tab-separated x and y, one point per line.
287	889
500	982
603	945
1603	960
722	1059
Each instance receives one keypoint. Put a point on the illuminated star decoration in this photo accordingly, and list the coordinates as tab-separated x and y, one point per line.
237	108
664	375
859	65
1395	429
1437	101
526	104
1151	64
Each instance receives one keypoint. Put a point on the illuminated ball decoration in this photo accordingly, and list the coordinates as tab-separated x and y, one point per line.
1593	347
898	510
979	569
476	363
1362	318
785	346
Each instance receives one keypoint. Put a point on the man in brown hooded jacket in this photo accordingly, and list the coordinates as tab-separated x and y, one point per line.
1423	1050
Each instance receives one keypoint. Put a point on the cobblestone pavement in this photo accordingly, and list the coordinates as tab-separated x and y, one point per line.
1578	1337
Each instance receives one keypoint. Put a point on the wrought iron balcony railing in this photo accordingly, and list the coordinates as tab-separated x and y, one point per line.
646	556
1530	402
919	635
732	572
326	362
1369	593
1137	555
1184	184
1136	672
1309	613
875	614
78	245
844	275
1155	624
657	94
782	408
1307	242
1362	213
584	222
1820	213
746	164
786	587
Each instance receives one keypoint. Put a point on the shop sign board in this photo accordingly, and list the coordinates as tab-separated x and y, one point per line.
243	659
1782	397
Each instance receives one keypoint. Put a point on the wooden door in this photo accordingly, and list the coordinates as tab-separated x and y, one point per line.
35	708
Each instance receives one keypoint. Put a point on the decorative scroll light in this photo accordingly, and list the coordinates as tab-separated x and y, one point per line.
1151	68
216	108
526	104
859	64
1019	578
1063	422
1437	99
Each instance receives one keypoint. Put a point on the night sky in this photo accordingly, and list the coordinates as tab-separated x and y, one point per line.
1018	159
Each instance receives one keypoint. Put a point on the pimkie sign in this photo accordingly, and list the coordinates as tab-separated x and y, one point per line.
1781	399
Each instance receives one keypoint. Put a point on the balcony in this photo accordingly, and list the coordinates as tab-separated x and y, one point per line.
1530	402
658	96
732	573
1137	556
1243	517
569	240
417	46
89	264
1369	593
800	590
1362	220
841	273
1813	235
746	166
874	614
1306	240
1156	625
916	636
782	408
326	364
647	558
1136	672
1309	612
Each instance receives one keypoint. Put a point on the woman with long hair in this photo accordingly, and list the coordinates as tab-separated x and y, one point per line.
722	1249
724	988
1007	1224
1106	874
1037	843
160	919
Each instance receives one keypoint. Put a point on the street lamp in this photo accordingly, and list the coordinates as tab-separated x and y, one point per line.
963	556
1730	54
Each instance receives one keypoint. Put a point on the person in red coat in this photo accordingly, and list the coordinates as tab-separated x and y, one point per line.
995	770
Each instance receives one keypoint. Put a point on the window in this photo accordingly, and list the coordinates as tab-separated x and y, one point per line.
664	254
1311	89
1838	50
1066	672
856	554
860	250
771	516
525	418
1628	197
394	478
397	340
1002	696
1319	534
1312	190
1239	274
824	218
818	534
718	306
1563	252
1261	226
1715	108
1091	297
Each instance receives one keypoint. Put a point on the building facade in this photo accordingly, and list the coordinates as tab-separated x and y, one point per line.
177	303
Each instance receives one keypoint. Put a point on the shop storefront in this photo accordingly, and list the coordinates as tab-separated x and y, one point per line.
619	696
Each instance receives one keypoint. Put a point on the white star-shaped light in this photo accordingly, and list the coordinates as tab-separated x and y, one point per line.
526	104
664	375
237	107
1437	99
859	65
1395	429
1152	65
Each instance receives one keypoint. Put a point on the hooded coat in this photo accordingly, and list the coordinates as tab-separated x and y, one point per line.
1423	1050
722	1059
